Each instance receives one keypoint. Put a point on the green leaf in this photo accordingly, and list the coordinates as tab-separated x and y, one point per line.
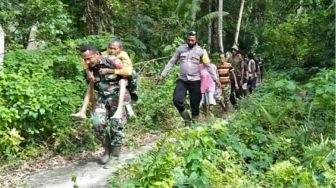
42	111
279	84
291	86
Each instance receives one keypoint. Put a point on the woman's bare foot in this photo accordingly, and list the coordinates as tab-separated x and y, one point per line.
78	115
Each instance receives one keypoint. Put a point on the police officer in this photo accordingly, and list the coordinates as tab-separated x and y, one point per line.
190	55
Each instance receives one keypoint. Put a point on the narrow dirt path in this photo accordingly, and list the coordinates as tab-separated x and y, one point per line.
88	172
56	171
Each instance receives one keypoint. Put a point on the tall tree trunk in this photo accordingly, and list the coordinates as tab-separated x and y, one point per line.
215	42
32	43
97	16
209	27
2	47
193	14
220	25
300	9
214	30
239	21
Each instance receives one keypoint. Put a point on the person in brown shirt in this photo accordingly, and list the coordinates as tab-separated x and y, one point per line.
225	69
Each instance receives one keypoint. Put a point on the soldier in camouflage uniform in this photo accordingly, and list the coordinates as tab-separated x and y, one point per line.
106	85
239	66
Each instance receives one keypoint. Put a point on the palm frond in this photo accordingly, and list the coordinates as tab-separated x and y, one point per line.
181	6
187	7
138	43
209	17
196	6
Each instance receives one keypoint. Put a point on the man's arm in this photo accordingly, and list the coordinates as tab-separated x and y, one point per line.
122	72
253	69
234	77
122	69
171	63
211	70
89	74
243	71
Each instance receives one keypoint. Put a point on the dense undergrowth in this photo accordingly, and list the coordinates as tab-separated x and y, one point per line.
38	91
282	136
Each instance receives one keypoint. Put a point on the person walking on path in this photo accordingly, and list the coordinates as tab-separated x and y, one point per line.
208	88
114	48
89	95
260	63
252	73
190	55
239	66
106	84
225	70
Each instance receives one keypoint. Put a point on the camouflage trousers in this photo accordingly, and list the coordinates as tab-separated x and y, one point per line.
226	90
104	125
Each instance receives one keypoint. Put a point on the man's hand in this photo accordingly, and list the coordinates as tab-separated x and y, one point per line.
218	82
241	82
159	79
236	85
90	76
105	71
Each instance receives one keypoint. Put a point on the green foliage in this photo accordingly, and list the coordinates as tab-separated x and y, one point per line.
306	34
38	101
154	108
321	160
10	142
50	18
74	181
286	146
322	88
153	68
210	17
284	174
146	26
170	49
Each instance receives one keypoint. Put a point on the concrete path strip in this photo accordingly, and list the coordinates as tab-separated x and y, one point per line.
89	173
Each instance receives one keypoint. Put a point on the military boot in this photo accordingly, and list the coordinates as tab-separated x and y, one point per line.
195	118
186	117
114	155
107	146
115	152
